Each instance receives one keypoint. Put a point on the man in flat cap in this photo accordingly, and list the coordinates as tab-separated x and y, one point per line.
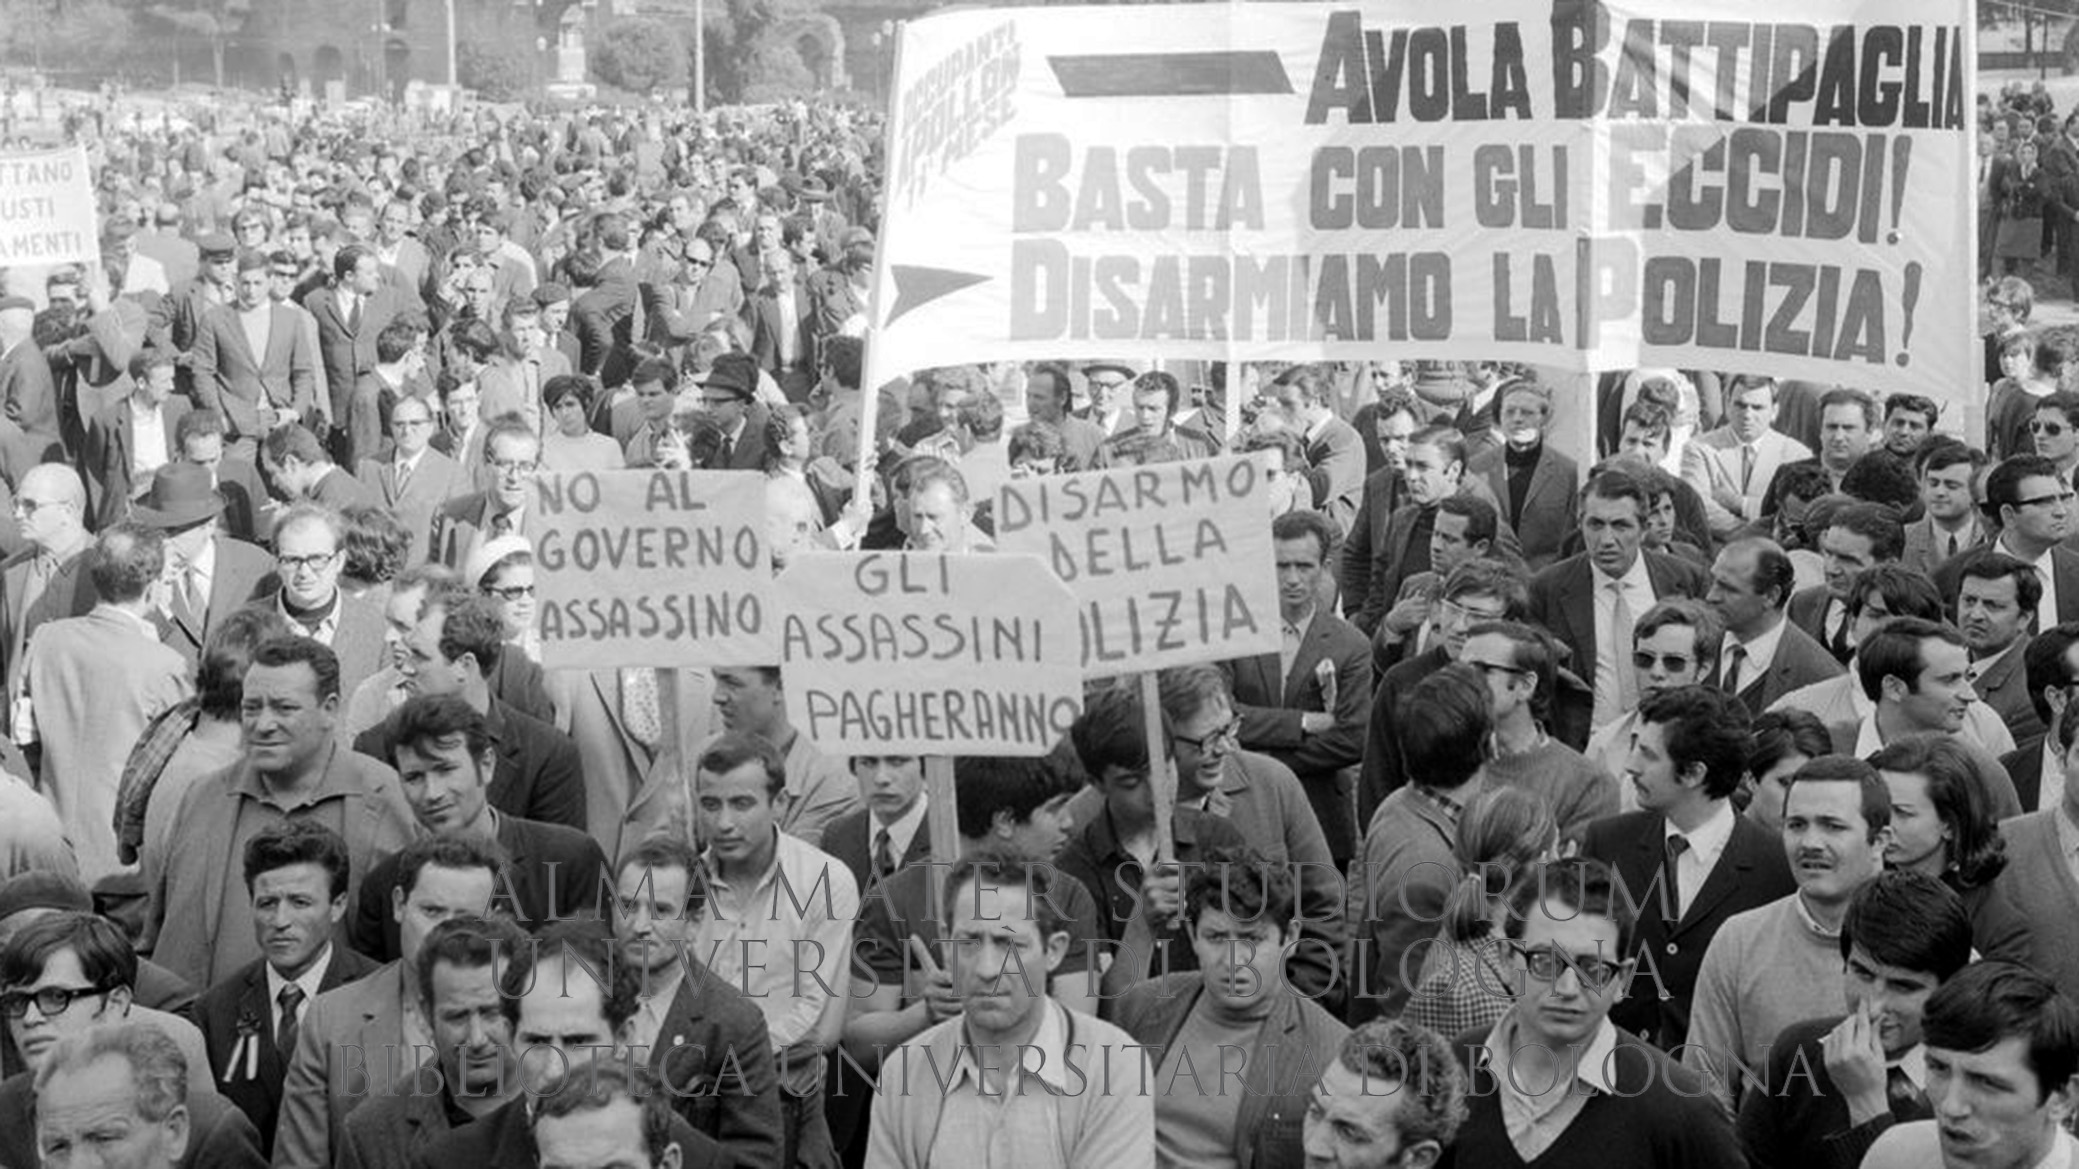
177	320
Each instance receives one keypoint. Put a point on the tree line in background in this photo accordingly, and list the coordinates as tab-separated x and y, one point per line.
751	47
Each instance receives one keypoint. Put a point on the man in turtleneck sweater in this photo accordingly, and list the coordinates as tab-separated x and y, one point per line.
1536	486
1519	663
309	554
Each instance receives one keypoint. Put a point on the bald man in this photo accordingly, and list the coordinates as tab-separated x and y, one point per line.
45	581
28	393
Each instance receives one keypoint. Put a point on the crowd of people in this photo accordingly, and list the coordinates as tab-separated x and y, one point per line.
1706	796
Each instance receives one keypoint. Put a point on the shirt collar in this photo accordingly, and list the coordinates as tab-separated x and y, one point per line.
309	981
902	831
149	630
1914	1064
714	875
1591	1066
1634	578
1761	651
1048	1049
1708	839
1300	626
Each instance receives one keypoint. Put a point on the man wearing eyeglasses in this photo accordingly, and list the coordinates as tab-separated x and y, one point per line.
1520	664
1689	860
1674	644
60	980
2036	765
2033	505
1556	1082
47	580
415	479
309	545
512	454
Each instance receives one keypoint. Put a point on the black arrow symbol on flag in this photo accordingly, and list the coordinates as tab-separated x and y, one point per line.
1215	74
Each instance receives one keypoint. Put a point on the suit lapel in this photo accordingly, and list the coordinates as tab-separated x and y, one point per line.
1312	647
1725	876
1578	605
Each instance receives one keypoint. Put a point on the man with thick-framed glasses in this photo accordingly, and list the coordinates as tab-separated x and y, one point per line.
70	975
1555	1073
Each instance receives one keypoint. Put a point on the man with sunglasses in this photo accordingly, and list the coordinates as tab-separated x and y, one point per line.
67	975
1674	644
2055	431
2032	503
1688	859
1556	1082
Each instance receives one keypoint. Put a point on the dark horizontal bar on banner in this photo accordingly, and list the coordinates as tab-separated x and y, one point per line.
1221	74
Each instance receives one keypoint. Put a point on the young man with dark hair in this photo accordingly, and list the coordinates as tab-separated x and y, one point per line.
1007	1046
1689	861
569	1003
1858	537
2028	500
753	700
1115	853
1406	1121
2037	765
789	956
606	1114
1948	482
354	1042
1307	705
1773	966
1408	869
1732	466
455	650
1521	667
1556	1083
446	762
470	1073
703	1039
1918	675
1996	600
1236	912
1674	644
297	875
2002	1052
1533	483
1836	1083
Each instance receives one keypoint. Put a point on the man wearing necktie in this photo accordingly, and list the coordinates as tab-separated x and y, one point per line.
1860	536
45	580
1905	935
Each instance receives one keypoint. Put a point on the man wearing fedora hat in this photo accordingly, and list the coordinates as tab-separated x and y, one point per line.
208	573
1107	408
726	395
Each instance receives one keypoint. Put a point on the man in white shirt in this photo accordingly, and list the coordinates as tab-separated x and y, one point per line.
2002	1043
1765	655
1952	526
2034	508
1675	644
1996	600
297	875
1731	467
1919	672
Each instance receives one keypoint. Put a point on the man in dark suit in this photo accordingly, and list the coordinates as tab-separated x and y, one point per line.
455	649
297	876
250	361
472	1071
310	554
1904	935
1590	601
1335	454
783	326
705	1041
211	573
2036	765
176	321
446	759
1858	537
351	314
1765	655
727	392
896	808
1996	597
1688	756
414	480
1382	550
1307	705
1534	483
568	992
2033	505
134	432
302	467
603	315
199	439
512	453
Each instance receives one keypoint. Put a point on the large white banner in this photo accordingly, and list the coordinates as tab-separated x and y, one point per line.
1749	185
47	209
